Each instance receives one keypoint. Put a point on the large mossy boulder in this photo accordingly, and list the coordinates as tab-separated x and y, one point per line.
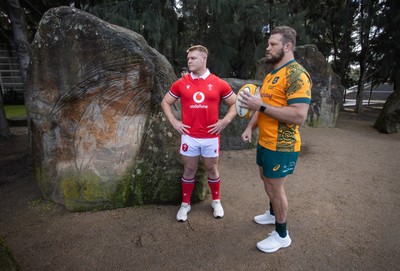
231	136
98	135
388	120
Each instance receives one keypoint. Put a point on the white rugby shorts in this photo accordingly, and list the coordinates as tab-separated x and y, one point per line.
206	147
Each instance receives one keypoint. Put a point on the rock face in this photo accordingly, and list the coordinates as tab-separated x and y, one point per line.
327	91
231	135
99	138
389	119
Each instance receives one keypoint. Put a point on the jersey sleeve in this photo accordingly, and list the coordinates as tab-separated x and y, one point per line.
299	88
175	89
226	90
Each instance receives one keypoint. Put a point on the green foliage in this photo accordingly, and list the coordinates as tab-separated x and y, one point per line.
155	20
231	29
330	26
385	46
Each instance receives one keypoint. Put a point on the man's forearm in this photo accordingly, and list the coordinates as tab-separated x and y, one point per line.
292	114
168	113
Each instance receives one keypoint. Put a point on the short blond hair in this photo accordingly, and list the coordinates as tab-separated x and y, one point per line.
199	48
288	34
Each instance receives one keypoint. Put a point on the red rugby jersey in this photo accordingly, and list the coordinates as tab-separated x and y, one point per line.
200	100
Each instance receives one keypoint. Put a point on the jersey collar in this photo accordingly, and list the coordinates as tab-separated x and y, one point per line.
204	76
284	65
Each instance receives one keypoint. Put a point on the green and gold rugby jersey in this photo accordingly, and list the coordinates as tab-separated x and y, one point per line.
288	85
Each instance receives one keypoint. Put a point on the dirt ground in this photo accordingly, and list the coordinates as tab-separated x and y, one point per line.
344	202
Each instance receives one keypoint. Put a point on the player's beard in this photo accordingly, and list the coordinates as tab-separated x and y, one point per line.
273	59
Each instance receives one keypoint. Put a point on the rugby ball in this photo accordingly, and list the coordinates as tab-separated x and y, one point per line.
244	112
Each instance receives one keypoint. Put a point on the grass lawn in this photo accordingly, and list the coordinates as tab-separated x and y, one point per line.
15	111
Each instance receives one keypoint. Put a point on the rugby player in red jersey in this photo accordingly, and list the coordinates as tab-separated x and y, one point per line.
200	93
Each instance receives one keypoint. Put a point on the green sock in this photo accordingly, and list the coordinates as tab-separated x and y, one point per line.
280	228
271	211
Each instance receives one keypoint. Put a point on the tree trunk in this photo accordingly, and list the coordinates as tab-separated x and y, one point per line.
360	89
365	27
